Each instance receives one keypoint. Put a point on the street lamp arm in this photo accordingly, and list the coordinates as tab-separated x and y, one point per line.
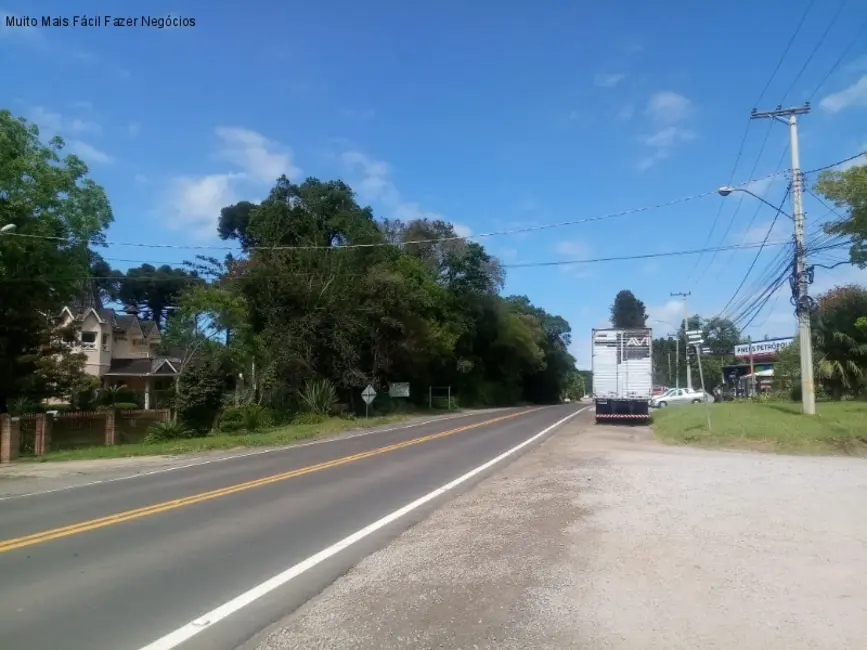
727	189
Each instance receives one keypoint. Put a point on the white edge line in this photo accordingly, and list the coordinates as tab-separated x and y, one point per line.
206	621
258	452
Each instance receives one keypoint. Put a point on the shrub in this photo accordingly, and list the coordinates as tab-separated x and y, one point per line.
22	406
251	417
165	431
255	417
231	420
319	396
119	406
309	418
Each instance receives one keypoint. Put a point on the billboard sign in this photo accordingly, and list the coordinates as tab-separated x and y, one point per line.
762	349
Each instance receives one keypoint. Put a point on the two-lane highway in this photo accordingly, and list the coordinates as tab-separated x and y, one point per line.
209	555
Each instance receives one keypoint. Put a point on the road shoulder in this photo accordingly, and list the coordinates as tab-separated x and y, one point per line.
604	538
24	478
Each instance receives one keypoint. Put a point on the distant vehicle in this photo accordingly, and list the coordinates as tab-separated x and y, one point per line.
622	374
680	396
658	390
567	400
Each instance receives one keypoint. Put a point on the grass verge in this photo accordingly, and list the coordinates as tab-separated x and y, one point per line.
837	427
284	435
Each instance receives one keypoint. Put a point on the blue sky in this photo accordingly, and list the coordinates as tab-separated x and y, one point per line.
494	116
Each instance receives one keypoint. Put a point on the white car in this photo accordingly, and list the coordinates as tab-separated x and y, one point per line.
679	396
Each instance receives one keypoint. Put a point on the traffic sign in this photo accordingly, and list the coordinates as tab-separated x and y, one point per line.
368	394
398	389
693	332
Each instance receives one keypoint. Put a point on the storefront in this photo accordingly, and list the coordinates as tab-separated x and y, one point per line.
753	371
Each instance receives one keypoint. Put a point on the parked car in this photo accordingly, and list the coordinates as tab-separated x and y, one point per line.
658	390
680	396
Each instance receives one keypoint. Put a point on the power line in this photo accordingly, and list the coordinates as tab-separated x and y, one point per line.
848	48
742	197
815	49
596	260
759	251
513	231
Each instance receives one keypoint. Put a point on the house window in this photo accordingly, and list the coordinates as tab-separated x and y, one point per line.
105	341
88	340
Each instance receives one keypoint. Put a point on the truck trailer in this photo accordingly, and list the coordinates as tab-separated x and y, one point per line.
622	373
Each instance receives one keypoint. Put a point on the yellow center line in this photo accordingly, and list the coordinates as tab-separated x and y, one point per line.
138	513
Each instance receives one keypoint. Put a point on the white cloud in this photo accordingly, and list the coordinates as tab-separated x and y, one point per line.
89	153
574	249
54	123
666	317
781	231
855	162
197	201
855	96
375	185
626	112
667	107
667	111
608	79
30	35
260	158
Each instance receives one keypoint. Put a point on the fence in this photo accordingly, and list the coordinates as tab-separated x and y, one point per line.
36	434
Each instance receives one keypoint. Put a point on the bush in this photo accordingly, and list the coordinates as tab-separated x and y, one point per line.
165	431
255	417
119	406
309	418
251	418
23	406
231	420
319	396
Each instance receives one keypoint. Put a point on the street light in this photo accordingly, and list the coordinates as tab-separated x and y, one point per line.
725	190
9	227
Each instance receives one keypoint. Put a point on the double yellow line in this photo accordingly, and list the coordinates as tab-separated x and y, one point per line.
138	513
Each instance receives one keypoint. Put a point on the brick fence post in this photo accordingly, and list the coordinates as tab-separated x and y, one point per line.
10	434
42	441
109	428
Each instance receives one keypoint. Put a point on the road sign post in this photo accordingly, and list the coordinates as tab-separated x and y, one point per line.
368	395
703	389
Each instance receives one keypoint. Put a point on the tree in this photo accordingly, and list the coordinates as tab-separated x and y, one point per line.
63	213
627	311
840	344
721	335
848	190
154	290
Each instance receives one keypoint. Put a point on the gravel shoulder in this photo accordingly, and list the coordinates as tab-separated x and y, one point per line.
603	538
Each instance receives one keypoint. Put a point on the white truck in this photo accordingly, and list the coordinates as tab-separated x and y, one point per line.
622	373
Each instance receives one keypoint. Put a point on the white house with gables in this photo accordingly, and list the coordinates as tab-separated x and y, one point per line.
121	349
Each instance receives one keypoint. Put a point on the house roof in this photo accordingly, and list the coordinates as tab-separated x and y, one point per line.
141	367
118	321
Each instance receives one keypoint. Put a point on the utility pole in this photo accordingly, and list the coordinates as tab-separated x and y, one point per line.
803	303
752	387
685	328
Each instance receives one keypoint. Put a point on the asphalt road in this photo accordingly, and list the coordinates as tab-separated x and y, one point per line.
121	565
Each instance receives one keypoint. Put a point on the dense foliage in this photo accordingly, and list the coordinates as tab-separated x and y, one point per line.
628	311
321	291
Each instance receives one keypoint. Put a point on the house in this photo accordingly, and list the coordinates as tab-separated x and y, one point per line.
121	349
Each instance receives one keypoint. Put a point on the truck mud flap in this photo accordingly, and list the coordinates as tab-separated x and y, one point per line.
623	411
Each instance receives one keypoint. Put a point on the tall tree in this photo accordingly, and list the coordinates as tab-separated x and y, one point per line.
48	197
154	290
848	190
628	311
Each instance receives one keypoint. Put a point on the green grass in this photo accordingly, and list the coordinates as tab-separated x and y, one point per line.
272	437
837	427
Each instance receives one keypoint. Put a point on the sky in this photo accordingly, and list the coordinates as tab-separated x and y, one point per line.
619	121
